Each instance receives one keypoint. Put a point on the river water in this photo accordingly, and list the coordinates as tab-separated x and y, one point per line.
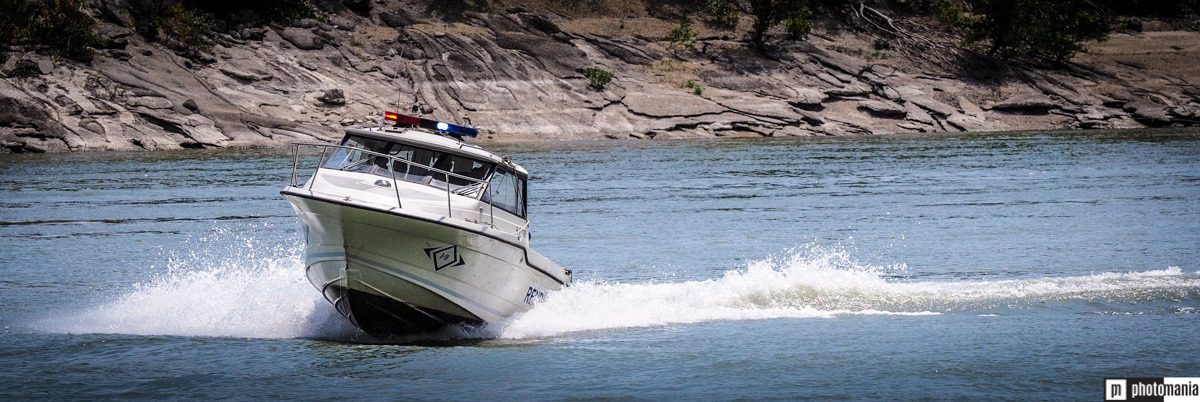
996	266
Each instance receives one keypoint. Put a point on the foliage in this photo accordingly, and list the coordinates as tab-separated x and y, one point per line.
173	24
798	23
696	88
682	36
949	13
61	27
723	12
769	13
598	78
1052	29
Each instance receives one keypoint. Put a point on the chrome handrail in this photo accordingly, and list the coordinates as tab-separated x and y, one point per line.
483	186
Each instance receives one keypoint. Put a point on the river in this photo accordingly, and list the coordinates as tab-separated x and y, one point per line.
981	266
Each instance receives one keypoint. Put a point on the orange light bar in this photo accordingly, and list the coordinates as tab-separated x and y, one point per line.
391	116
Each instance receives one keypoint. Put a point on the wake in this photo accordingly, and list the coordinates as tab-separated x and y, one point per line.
245	289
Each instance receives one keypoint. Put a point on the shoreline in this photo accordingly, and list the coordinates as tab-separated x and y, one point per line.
519	77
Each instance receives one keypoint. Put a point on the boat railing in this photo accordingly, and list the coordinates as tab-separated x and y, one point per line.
477	186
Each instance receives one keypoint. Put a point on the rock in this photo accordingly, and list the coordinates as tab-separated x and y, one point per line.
968	123
70	107
396	18
1156	26
1030	104
883	109
301	38
191	105
1148	113
333	97
849	91
888	93
935	107
968	107
244	75
253	34
92	125
151	102
808	99
669	104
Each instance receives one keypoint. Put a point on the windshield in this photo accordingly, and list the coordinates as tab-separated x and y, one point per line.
352	158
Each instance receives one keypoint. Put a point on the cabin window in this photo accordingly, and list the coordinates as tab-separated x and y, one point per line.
507	192
353	158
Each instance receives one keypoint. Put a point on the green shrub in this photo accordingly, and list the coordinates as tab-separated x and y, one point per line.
598	78
695	87
1050	29
60	27
798	23
682	36
723	12
173	24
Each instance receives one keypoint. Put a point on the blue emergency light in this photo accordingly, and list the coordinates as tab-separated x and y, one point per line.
453	130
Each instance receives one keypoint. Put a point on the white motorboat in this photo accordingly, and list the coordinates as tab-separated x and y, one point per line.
410	229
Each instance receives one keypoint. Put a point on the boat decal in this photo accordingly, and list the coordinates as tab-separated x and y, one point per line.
446	292
402	215
444	257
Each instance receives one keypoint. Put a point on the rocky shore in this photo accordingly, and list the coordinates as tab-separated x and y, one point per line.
518	75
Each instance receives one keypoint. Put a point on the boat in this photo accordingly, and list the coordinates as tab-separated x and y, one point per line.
410	229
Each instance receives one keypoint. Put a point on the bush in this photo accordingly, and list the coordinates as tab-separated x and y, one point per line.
682	36
798	23
598	78
769	13
723	12
60	27
696	88
172	24
1052	29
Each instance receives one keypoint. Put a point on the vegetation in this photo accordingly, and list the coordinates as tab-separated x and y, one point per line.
1050	29
59	27
682	36
598	78
696	88
795	15
723	12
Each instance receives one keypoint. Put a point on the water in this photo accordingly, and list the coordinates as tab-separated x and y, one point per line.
1014	266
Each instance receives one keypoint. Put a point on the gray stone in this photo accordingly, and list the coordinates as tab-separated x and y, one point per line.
1028	104
191	105
244	75
301	38
670	104
883	109
933	106
333	97
969	107
1149	113
45	66
150	102
808	98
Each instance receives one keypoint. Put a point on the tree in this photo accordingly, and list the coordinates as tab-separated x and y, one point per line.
767	14
1053	29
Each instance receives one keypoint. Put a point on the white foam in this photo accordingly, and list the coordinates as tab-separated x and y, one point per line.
821	283
228	285
221	287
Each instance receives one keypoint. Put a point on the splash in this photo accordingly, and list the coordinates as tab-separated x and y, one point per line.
823	283
228	284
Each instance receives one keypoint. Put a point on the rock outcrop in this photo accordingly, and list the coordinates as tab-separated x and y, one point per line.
519	76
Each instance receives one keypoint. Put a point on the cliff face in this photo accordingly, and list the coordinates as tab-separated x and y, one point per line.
518	75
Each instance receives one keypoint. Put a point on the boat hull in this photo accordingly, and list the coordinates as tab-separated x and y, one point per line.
391	272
